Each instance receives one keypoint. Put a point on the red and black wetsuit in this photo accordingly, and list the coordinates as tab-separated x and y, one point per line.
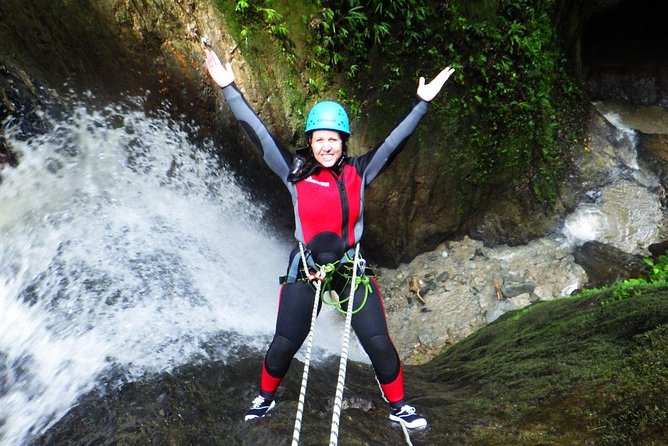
330	200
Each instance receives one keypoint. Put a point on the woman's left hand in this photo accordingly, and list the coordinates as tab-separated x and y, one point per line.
429	91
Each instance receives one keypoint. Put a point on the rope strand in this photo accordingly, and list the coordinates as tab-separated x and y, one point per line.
338	399
309	345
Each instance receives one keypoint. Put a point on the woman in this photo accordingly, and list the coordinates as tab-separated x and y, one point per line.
327	188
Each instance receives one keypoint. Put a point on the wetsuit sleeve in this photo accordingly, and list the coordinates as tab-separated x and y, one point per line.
277	157
372	163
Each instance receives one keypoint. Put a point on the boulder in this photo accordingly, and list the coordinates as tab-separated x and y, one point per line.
605	264
653	150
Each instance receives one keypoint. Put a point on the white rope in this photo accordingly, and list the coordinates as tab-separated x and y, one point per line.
338	399
309	345
403	425
406	434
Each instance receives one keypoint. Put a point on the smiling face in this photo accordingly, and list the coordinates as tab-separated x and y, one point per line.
327	147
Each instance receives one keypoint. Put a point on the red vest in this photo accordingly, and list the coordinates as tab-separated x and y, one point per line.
326	202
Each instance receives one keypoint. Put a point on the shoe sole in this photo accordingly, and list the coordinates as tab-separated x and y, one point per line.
414	425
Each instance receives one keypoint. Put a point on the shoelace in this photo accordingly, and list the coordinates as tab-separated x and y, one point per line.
257	402
408	410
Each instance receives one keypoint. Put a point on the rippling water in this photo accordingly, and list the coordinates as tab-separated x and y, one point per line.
626	212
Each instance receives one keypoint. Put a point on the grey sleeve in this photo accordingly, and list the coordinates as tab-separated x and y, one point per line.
278	158
377	159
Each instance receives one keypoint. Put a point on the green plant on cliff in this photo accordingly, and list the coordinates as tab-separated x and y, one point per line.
345	33
509	68
517	80
265	33
254	13
505	95
658	269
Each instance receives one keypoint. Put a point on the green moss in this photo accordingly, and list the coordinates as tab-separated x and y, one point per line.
588	370
271	37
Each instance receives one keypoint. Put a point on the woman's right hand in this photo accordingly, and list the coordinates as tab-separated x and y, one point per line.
429	91
222	75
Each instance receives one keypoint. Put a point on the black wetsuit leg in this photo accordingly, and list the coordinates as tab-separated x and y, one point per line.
370	326
292	326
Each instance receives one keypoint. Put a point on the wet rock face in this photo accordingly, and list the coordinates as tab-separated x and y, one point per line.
117	49
653	149
606	264
21	101
55	49
625	53
204	404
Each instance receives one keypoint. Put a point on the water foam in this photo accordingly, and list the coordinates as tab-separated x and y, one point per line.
124	246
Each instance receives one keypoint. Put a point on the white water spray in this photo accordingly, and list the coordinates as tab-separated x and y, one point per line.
625	213
124	247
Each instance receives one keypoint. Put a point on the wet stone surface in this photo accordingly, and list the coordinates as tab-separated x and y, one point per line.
445	295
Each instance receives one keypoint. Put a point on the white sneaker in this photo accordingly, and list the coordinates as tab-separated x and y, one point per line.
408	416
259	408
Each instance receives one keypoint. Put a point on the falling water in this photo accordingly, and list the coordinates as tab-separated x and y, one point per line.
626	213
124	251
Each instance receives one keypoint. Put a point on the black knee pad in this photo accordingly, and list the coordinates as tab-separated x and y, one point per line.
384	358
279	355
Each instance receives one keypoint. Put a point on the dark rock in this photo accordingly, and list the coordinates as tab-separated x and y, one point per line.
606	264
21	99
653	150
515	289
203	404
657	249
615	66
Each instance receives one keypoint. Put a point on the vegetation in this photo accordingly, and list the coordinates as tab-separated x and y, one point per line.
589	370
657	276
509	81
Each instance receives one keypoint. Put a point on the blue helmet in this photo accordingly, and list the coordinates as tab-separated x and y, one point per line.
328	115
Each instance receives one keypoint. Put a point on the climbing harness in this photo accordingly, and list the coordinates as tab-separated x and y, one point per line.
363	279
319	279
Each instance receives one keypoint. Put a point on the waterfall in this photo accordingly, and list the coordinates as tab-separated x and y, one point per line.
626	211
125	250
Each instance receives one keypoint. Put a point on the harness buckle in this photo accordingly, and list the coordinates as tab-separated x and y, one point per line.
314	277
361	265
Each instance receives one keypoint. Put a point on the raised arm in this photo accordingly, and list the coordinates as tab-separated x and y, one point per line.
375	161
274	154
221	74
